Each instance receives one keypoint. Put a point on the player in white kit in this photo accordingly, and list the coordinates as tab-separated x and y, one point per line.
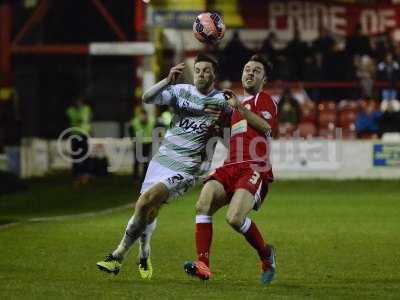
177	164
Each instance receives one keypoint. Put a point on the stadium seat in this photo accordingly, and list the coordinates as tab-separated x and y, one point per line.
308	112
307	130
327	119
327	133
327	106
347	132
346	117
364	103
286	130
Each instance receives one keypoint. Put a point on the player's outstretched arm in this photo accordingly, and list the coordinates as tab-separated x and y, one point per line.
253	119
154	94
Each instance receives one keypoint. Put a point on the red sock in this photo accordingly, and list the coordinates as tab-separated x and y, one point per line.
203	241
255	239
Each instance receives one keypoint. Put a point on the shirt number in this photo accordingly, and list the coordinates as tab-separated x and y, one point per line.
254	178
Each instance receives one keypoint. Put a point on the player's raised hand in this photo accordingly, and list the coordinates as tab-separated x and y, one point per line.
175	72
231	97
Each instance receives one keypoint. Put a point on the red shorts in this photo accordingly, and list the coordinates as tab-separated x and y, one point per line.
244	175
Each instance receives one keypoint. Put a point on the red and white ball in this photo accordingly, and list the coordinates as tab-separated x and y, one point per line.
209	28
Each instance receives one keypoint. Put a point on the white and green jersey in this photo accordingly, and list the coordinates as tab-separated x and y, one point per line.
184	145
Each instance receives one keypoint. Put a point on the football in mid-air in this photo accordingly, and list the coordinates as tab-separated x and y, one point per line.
209	28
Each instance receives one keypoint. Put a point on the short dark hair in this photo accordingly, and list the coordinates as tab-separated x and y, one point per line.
207	58
264	61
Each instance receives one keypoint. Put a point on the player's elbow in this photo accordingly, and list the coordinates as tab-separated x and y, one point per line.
146	98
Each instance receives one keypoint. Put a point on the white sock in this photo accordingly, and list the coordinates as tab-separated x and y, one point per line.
203	219
133	231
145	238
245	226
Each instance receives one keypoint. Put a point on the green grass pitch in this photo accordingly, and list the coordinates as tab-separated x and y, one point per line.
334	240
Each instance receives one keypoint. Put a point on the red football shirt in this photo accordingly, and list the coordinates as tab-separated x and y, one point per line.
247	144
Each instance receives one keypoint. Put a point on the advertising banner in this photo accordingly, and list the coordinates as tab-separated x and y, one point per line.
282	16
386	155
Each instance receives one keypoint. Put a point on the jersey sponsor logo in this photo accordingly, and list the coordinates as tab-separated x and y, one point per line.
192	126
189	105
266	115
239	127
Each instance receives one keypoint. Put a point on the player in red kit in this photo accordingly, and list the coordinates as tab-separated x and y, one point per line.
242	182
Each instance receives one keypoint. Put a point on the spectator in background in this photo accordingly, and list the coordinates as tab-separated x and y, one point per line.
296	51
165	118
288	113
388	70
335	69
365	71
396	52
283	68
98	162
269	47
324	42
358	44
312	72
141	130
390	119
233	58
367	121
322	47
80	116
383	45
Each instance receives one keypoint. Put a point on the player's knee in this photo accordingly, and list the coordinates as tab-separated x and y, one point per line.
234	220
202	207
143	205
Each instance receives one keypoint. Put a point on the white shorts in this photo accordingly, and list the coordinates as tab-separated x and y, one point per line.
177	183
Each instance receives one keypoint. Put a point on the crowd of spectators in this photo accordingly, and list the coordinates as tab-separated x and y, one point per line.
373	64
358	58
348	119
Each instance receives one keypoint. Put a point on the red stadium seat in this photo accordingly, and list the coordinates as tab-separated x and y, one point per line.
365	103
349	133
346	117
308	112
307	130
327	133
327	119
327	106
286	130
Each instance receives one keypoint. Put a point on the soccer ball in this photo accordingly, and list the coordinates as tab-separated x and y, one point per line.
209	28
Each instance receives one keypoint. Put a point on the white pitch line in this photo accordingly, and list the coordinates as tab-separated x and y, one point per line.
8	225
70	217
83	215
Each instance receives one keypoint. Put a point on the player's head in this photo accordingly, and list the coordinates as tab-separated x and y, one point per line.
205	73
255	74
79	101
